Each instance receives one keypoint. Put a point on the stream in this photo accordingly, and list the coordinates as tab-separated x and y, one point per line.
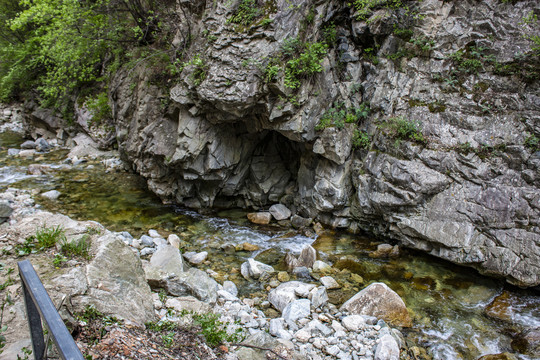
449	304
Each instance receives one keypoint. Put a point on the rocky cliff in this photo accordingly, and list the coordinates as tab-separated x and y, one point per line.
421	124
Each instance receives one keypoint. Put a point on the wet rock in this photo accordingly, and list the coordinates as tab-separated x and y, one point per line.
302	272
250	247
261	218
253	269
280	212
380	301
299	222
28	144
13	152
385	250
502	356
501	307
291	261
42	145
196	258
38	169
321	266
527	342
283	276
329	282
307	256
51	195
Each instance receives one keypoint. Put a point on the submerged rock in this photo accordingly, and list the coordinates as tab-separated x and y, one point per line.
253	269
380	301
261	218
51	195
527	342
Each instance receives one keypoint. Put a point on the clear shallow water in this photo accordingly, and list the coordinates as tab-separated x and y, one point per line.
448	303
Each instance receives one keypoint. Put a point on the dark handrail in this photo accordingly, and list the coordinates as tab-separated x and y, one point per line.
39	305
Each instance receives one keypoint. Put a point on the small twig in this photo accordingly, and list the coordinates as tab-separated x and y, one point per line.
260	348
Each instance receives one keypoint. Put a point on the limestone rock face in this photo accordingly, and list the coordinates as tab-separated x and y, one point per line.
468	193
380	301
115	283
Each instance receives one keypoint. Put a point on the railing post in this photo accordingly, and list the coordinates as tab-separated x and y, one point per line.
34	324
39	306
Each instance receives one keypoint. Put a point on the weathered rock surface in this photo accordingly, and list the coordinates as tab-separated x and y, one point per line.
380	301
468	193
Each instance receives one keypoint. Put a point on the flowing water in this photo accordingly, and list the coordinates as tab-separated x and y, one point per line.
449	303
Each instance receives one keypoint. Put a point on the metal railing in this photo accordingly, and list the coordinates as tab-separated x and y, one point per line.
40	306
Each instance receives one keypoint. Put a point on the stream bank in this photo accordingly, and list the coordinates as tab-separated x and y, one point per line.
472	303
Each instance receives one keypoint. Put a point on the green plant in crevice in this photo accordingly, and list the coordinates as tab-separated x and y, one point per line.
307	63
59	260
360	139
329	34
532	142
246	13
338	115
401	128
215	331
77	248
47	237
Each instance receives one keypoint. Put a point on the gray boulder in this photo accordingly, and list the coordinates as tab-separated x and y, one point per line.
280	212
253	269
380	301
51	195
285	293
5	212
28	144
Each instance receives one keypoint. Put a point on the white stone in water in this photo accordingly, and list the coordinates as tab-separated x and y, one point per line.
198	258
320	265
51	195
329	282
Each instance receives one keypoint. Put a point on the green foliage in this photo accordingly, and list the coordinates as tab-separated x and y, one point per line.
291	47
338	115
99	107
162	325
423	43
533	143
59	260
307	63
47	237
77	248
471	59
58	47
403	129
246	13
364	8
90	313
215	331
27	247
360	139
329	34
403	33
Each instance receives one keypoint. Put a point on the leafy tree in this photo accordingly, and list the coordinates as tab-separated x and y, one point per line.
56	47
